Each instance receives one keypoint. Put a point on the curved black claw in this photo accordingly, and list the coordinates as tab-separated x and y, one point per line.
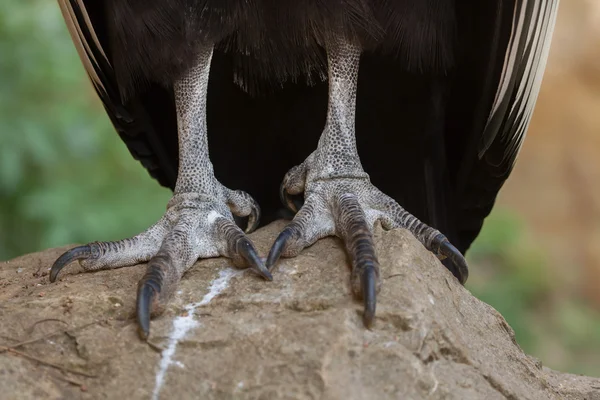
280	244
369	290
446	249
359	242
246	250
78	253
241	249
286	199
149	289
253	219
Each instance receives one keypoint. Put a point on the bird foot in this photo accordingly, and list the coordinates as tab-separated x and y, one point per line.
194	226
347	206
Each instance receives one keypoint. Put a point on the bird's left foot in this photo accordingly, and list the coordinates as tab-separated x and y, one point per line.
339	198
347	206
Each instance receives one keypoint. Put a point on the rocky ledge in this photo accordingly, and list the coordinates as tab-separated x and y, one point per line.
229	334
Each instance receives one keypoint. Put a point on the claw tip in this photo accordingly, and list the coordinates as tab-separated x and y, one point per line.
464	276
369	283
143	333
148	288
54	273
143	317
461	270
266	274
279	246
368	318
269	276
77	253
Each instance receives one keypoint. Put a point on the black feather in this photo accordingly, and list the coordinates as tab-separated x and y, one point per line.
156	40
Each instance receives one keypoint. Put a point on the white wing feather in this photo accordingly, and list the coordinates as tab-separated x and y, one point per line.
521	78
89	51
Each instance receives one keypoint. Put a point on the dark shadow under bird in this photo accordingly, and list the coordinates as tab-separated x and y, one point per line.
435	95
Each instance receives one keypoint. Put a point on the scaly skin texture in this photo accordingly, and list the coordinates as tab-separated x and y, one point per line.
339	198
198	222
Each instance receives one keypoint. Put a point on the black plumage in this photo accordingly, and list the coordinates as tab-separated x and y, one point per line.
445	91
156	40
428	80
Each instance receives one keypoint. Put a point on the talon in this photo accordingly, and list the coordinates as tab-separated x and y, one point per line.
286	199
78	253
446	249
279	246
245	249
149	288
253	218
359	241
369	290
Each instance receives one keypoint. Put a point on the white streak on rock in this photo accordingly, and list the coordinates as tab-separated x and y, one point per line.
431	300
179	364
183	324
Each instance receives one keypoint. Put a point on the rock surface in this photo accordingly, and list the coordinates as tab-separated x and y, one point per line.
229	334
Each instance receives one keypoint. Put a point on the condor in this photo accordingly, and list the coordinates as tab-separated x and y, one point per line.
406	112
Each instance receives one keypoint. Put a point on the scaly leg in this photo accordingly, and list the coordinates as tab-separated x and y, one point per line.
198	222
339	198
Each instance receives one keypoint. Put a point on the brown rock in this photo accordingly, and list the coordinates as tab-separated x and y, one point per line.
298	337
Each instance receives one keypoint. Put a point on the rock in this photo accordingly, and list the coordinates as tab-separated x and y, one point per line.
228	333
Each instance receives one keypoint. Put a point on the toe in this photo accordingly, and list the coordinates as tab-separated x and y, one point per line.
242	204
308	226
292	186
239	248
107	255
431	238
358	239
294	180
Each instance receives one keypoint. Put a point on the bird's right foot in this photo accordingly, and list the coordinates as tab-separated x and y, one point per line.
194	226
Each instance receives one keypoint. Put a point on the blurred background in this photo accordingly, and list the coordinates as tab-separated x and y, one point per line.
65	177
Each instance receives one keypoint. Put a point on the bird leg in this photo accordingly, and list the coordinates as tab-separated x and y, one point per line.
198	222
339	198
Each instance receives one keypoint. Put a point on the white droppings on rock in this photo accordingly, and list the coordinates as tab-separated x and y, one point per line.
431	299
216	287
183	324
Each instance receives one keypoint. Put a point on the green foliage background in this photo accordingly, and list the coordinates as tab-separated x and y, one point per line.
66	177
64	174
